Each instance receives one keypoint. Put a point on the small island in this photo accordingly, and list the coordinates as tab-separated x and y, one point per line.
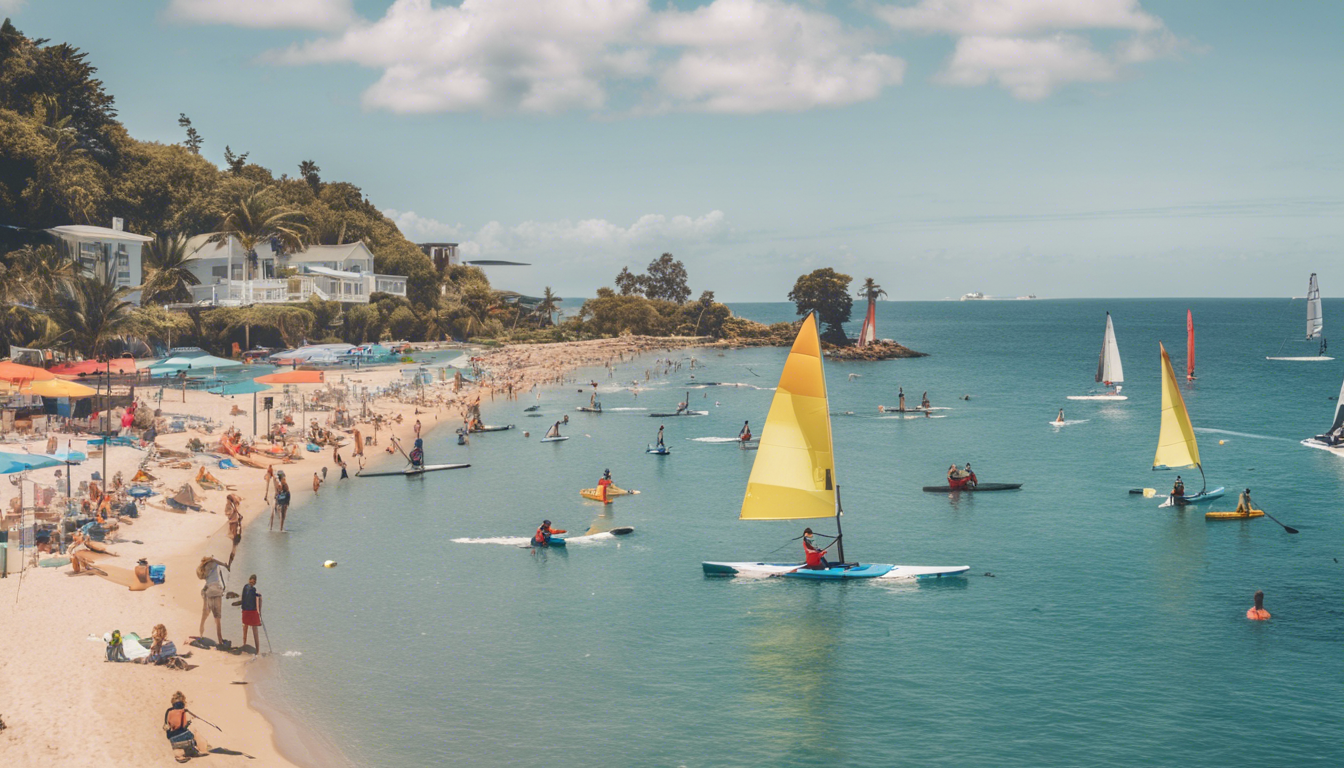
826	292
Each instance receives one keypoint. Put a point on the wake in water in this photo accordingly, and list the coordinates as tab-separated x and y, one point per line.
712	439
1068	422
627	409
1242	434
512	541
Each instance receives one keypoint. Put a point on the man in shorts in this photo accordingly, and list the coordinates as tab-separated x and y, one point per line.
252	613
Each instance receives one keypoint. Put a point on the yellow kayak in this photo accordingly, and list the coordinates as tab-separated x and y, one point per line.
1233	515
612	492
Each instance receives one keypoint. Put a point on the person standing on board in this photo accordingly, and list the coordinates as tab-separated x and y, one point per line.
1257	612
1060	418
745	434
1244	501
900	394
924	402
814	556
660	436
605	482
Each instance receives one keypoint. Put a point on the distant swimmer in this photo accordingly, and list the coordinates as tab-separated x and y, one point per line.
1244	501
1257	612
1060	418
544	534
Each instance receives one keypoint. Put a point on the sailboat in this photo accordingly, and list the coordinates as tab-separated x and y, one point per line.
793	477
868	333
1176	446
1189	346
1333	439
1315	325
1109	371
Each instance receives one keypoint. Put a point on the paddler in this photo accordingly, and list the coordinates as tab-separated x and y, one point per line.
417	456
924	402
971	479
605	482
542	538
745	434
659	444
1257	612
814	556
1244	501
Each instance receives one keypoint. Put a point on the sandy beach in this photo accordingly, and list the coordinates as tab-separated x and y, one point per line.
62	703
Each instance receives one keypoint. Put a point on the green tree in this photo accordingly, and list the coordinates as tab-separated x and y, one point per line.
310	173
256	217
667	280
550	304
825	292
90	312
236	163
630	284
194	140
168	275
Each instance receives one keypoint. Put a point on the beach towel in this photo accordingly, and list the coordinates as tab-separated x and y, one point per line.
227	464
314	448
131	646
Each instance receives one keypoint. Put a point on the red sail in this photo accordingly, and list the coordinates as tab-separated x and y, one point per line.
1189	346
868	334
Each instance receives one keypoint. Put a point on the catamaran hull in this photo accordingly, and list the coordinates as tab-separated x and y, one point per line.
1317	358
1198	498
859	571
1312	442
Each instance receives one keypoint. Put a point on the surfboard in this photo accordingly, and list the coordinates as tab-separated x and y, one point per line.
980	487
409	472
683	413
488	428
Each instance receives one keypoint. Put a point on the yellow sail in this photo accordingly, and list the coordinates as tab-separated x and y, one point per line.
1176	446
793	477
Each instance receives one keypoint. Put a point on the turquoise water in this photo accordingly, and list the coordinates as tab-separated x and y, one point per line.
1112	633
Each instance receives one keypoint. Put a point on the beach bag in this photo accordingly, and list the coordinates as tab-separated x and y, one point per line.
157	573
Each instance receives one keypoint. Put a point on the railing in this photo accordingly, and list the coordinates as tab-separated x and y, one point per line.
233	293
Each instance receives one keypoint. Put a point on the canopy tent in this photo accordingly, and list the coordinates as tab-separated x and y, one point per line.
18	462
58	388
11	371
94	367
292	377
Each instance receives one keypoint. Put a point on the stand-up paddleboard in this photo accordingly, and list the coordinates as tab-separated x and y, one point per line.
413	471
1110	373
1315	325
834	573
659	450
980	487
1234	515
612	492
917	409
554	439
682	413
489	428
586	409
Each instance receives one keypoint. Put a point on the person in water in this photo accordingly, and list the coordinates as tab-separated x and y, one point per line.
971	479
814	556
745	434
660	436
1060	418
251	602
544	534
1257	612
1244	501
1178	489
900	394
924	402
605	482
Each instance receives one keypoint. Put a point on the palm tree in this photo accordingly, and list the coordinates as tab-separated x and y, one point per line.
90	311
871	290
168	275
257	217
549	304
35	272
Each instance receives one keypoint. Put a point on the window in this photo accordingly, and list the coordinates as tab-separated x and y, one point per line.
219	272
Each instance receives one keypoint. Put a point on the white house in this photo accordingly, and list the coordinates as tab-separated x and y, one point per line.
333	272
97	248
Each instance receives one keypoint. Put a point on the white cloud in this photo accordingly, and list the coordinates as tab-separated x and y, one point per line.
301	14
545	56
1033	47
1018	17
532	238
9	6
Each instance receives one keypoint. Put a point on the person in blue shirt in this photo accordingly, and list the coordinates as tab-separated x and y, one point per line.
252	613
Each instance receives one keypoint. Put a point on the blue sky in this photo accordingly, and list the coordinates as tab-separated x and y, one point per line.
1067	148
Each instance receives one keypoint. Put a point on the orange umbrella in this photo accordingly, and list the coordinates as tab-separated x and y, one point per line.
11	371
55	387
93	367
292	377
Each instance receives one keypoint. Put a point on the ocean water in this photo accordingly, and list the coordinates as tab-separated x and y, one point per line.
1111	632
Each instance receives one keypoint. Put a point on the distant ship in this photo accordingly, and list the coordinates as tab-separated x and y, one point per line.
977	296
973	296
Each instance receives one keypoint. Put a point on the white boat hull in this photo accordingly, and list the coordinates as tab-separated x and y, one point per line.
1312	359
1098	397
1312	442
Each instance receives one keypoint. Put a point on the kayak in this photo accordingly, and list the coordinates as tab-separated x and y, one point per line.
489	428
586	409
980	487
834	573
413	472
1233	515
682	413
554	439
1195	499
531	408
664	451
596	493
559	541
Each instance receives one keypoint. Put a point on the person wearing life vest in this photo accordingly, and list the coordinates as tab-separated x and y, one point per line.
745	434
957	478
814	556
1178	490
605	483
1257	612
542	538
971	480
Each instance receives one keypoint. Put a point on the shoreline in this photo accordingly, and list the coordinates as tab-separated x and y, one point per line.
65	679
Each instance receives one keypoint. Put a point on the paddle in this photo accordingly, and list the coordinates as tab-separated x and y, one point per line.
1287	528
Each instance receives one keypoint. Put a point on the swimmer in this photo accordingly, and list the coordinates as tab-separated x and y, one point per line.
1257	612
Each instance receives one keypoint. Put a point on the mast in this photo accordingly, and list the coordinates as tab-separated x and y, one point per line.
1189	346
839	534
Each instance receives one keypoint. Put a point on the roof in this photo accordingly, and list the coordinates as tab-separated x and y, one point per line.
89	232
331	253
336	273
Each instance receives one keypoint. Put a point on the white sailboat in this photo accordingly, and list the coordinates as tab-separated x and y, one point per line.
1110	373
1315	325
793	477
1333	439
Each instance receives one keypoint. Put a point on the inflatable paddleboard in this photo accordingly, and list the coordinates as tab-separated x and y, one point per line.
980	487
413	471
664	451
683	413
835	573
554	439
1233	515
489	428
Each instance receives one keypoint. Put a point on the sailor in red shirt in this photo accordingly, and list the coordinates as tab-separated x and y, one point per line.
815	557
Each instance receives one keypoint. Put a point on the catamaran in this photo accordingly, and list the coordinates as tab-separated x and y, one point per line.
1109	371
1315	325
1176	446
1333	439
793	477
1189	346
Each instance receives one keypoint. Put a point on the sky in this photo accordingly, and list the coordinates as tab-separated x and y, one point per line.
1064	148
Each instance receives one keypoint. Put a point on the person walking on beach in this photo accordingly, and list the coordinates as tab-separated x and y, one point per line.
281	500
235	523
252	613
317	482
269	479
1257	612
177	724
417	427
212	594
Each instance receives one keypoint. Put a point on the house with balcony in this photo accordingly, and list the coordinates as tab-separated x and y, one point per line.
341	273
101	251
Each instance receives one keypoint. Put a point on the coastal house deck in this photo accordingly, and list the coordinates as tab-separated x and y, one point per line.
341	273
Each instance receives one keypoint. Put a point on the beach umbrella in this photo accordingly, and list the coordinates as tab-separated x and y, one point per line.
18	462
292	377
239	388
198	363
58	388
12	371
94	367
